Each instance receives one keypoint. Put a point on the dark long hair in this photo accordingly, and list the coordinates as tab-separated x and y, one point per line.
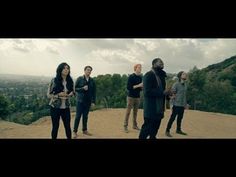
58	80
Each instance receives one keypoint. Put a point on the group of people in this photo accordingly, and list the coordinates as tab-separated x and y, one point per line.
61	89
153	85
155	94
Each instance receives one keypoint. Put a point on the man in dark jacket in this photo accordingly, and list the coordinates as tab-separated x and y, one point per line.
154	85
85	89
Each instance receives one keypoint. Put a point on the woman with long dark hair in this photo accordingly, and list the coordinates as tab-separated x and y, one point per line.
60	90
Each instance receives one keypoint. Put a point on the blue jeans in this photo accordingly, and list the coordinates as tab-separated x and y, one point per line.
81	109
179	112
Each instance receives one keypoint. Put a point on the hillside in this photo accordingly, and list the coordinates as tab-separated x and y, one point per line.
225	70
213	89
222	65
108	123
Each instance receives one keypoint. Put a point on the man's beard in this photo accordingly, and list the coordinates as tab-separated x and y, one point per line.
160	71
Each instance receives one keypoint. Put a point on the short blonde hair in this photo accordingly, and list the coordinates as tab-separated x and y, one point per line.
135	66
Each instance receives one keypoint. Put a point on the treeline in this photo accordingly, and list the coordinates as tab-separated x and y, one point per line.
111	90
23	104
23	110
212	89
23	101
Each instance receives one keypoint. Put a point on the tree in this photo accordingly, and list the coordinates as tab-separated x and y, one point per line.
4	105
103	89
20	103
196	82
220	97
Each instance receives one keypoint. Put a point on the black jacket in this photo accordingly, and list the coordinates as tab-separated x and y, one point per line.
85	96
154	98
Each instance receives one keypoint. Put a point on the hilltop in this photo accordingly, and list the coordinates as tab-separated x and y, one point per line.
108	123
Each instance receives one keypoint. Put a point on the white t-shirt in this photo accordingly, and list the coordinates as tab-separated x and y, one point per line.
63	101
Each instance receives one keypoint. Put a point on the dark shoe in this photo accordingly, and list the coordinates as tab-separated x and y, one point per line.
168	134
181	132
126	130
75	135
136	128
87	133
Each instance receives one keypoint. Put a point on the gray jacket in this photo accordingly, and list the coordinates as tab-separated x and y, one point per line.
181	91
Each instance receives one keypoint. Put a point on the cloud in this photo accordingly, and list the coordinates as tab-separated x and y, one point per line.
178	54
19	45
52	50
21	49
149	45
112	55
101	43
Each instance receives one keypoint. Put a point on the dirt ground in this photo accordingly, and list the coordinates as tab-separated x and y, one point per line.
108	123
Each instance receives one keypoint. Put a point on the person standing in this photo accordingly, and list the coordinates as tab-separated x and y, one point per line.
134	87
59	91
179	90
154	85
85	89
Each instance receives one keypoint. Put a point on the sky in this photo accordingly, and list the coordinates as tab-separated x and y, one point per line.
41	56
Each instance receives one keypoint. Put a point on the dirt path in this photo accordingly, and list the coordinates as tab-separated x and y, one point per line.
109	124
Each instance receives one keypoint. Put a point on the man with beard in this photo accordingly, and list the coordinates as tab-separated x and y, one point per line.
179	103
154	85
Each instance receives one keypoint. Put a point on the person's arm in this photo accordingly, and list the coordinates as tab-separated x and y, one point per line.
50	88
71	94
130	84
174	90
78	85
140	85
148	80
50	94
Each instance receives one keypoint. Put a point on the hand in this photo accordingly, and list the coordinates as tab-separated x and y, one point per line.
172	96
140	85
71	94
85	87
62	94
93	104
167	92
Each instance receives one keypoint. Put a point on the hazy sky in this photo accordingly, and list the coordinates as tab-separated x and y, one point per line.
108	56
